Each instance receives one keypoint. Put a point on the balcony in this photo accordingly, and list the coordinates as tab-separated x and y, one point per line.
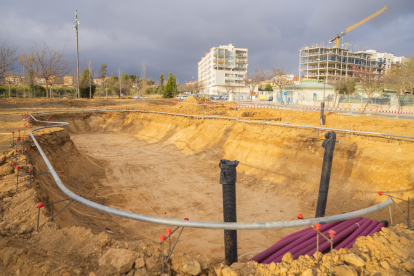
240	60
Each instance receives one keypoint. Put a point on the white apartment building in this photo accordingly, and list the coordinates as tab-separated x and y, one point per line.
223	68
385	60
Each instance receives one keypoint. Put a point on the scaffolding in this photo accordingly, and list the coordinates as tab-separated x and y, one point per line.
320	62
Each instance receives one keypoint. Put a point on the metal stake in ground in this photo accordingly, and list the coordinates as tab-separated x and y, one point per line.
322	110
329	145
228	178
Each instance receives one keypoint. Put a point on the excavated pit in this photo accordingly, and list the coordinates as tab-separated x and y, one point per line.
167	166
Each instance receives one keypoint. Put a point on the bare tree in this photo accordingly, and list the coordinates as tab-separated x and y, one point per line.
90	79
280	79
120	81
49	63
400	79
8	59
28	63
252	80
228	87
370	81
143	71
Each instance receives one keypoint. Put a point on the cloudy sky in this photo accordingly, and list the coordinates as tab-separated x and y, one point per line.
172	35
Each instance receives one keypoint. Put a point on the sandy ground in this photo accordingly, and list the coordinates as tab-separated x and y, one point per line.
159	180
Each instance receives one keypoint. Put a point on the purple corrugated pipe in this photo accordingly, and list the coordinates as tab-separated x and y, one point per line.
302	242
377	228
277	246
341	233
284	242
312	245
364	233
362	226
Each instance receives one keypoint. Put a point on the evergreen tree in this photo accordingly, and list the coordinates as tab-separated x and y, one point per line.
169	88
86	80
174	85
161	87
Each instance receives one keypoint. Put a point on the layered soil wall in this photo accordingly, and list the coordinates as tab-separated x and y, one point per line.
286	160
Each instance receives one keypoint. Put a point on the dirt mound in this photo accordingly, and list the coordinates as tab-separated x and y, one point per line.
389	252
191	99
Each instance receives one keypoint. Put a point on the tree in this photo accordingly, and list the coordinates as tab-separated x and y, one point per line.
28	63
48	62
174	85
103	73
400	79
120	81
8	59
252	80
161	86
279	79
228	87
169	87
370	81
85	85
341	86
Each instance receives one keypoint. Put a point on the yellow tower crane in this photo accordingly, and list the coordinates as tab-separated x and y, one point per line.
347	30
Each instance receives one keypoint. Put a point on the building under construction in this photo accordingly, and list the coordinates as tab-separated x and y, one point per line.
320	62
323	63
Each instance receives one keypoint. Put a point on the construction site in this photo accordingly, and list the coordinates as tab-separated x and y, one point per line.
189	186
156	160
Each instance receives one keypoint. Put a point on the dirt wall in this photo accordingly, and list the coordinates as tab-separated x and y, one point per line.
287	160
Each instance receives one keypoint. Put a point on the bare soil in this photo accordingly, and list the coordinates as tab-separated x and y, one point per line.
167	166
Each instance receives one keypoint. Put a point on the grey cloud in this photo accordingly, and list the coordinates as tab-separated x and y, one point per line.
173	35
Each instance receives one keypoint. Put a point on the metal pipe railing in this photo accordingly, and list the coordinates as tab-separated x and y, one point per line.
186	223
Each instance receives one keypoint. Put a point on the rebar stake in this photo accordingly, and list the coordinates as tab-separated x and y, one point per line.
39	205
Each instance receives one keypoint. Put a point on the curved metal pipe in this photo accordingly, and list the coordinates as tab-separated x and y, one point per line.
186	223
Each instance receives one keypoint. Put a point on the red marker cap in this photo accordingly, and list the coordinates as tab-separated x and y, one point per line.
317	226
40	205
22	139
380	193
300	216
18	168
62	172
186	219
26	149
331	233
12	131
77	194
30	170
17	139
19	130
162	238
168	231
13	164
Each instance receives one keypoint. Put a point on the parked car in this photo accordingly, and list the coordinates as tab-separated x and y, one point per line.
183	97
215	97
269	98
140	97
225	97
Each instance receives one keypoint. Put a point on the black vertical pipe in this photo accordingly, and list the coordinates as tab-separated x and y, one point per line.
228	178
322	110
329	145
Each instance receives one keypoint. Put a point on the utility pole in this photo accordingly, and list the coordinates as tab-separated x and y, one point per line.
90	87
77	48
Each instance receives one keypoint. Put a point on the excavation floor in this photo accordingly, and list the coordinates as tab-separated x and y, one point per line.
157	179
